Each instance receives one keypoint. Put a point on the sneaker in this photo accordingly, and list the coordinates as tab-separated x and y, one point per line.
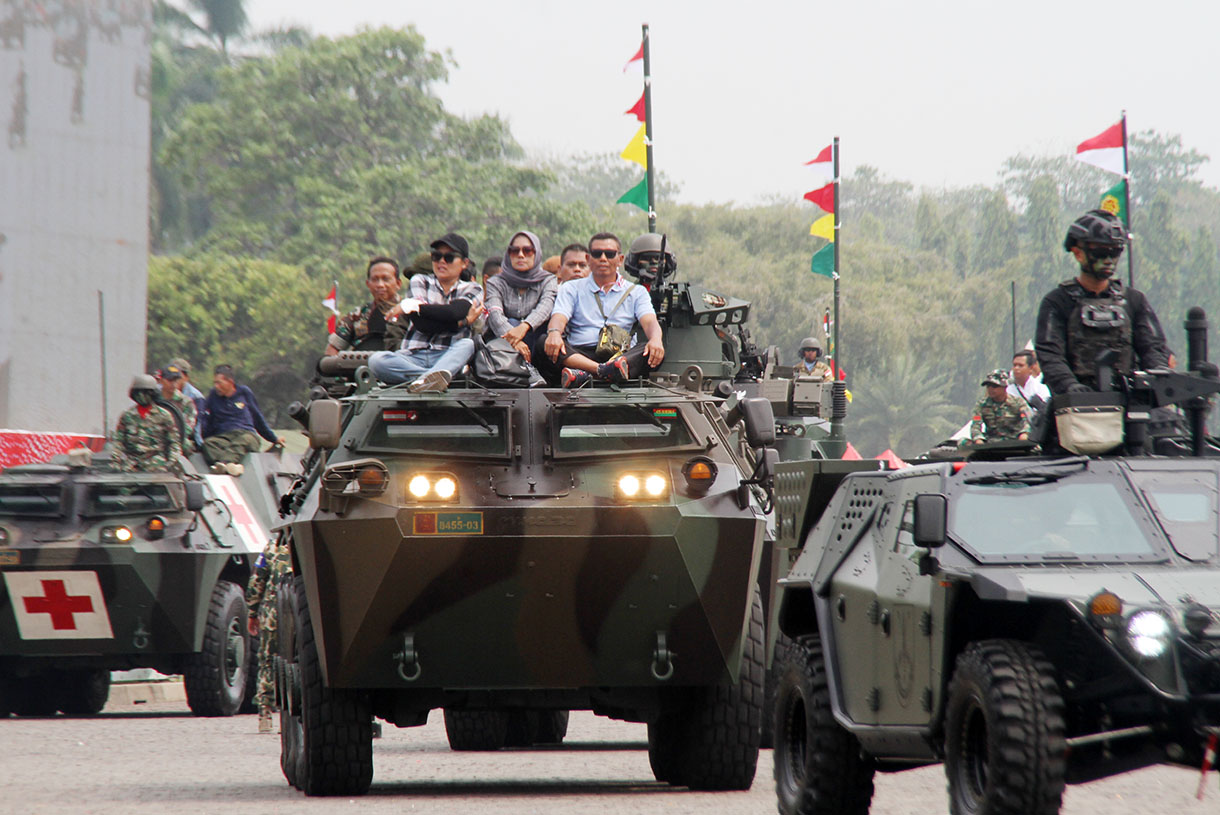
615	371
572	378
234	469
219	469
264	722
431	382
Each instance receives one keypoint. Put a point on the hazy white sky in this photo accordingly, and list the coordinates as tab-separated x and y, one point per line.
938	92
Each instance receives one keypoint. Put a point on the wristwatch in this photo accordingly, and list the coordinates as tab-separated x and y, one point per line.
549	330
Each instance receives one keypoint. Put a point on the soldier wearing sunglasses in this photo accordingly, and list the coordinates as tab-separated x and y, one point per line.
1094	312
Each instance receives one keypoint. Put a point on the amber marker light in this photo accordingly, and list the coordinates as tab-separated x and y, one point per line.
156	527
699	474
1105	609
372	480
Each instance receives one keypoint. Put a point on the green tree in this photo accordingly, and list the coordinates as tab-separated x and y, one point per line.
251	314
217	21
323	155
902	405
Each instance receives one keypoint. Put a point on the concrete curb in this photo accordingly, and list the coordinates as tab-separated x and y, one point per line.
140	693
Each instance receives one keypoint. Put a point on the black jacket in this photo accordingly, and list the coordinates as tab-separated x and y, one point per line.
1050	340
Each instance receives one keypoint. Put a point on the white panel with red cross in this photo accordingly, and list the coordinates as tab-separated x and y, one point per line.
253	536
58	605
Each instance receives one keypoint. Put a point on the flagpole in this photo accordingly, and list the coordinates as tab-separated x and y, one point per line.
1127	208
648	172
838	359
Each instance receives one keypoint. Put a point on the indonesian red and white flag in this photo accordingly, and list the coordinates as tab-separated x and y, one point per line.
330	302
639	57
823	164
1104	150
64	605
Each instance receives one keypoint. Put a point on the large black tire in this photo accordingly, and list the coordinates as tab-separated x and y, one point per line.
215	678
84	693
552	726
288	687
337	724
1004	732
719	729
663	735
476	729
780	657
819	767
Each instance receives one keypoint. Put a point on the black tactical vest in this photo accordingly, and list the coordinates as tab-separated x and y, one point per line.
1098	324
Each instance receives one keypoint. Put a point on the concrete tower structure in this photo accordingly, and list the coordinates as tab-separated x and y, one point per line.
74	180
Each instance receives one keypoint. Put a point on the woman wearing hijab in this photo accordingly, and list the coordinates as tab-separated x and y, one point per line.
520	298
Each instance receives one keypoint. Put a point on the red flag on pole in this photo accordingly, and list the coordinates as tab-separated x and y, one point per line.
824	197
637	110
824	156
639	55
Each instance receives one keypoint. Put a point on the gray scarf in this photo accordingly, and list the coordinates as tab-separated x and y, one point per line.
532	277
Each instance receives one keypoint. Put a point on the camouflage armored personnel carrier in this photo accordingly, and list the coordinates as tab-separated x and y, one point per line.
103	570
509	555
1030	622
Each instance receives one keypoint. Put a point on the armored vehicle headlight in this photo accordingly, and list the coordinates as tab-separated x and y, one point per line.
643	485
433	487
155	527
1148	633
116	534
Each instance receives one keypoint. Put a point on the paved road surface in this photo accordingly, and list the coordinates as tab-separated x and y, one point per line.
157	759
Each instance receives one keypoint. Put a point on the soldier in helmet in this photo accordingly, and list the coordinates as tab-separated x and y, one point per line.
1094	312
146	436
811	364
998	416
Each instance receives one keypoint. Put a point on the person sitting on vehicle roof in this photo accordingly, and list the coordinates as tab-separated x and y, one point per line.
520	298
442	306
366	328
230	419
579	344
999	416
146	436
170	377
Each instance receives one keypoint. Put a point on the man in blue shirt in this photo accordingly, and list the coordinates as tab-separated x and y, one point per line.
229	421
583	306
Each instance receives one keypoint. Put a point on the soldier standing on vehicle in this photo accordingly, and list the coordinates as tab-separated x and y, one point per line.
146	436
1093	313
271	568
171	377
811	363
366	328
999	416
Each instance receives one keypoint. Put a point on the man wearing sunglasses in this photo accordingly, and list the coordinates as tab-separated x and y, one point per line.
583	306
441	306
1094	312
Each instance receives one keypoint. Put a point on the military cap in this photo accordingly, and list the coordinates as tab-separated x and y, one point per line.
997	377
182	365
171	372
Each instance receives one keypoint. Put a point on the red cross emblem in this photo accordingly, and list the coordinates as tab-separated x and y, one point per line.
59	604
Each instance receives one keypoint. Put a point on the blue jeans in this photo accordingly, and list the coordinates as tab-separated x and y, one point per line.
394	367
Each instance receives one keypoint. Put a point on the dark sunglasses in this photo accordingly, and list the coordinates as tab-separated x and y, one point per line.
1104	252
603	253
520	250
448	257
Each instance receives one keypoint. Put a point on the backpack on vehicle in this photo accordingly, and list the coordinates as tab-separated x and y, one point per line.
497	364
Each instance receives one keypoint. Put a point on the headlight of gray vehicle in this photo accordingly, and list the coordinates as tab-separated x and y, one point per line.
1149	633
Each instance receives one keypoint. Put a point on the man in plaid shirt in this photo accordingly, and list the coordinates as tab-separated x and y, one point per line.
442	306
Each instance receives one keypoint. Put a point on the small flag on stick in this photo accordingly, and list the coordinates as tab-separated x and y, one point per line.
823	262
637	150
637	195
639	57
824	227
330	302
1114	201
637	110
824	197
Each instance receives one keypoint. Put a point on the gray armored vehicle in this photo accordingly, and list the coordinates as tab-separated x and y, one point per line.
1030	622
509	555
103	570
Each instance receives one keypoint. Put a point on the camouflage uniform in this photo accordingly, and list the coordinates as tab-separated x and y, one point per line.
361	330
190	415
148	442
999	421
272	566
819	371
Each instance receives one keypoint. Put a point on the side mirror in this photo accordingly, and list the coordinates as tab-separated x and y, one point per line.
930	520
194	495
324	426
760	422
